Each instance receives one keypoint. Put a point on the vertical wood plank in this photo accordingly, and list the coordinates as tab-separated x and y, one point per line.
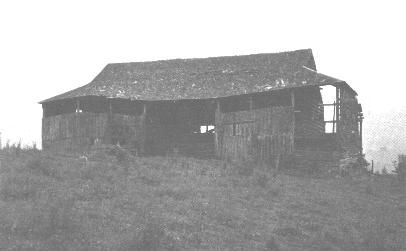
217	124
293	100
337	109
251	103
77	105
144	132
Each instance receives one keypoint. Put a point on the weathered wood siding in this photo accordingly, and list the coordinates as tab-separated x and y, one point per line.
258	134
309	113
348	131
78	131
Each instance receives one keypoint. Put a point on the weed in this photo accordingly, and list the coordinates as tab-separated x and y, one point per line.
150	181
291	231
41	166
276	189
380	231
175	194
272	245
20	187
369	189
244	170
261	179
152	236
99	207
122	155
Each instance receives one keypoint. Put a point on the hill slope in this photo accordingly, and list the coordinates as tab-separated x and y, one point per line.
177	203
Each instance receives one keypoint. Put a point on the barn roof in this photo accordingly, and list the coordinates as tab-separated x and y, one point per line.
204	78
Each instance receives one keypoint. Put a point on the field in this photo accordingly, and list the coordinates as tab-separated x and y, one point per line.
118	202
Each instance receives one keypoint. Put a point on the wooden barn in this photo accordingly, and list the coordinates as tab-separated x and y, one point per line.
251	107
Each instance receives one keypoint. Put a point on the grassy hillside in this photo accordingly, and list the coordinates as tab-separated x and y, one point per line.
117	202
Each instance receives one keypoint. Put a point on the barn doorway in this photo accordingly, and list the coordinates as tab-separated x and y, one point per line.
185	127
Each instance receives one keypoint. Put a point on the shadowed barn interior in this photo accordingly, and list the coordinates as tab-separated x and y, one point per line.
252	107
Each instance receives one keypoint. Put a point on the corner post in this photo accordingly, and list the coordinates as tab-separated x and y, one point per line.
217	128
338	109
361	118
293	103
43	111
144	128
109	126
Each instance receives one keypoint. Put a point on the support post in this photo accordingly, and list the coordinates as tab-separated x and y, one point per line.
144	129
334	117
337	109
251	103
361	118
77	105
217	128
44	111
293	102
109	136
144	110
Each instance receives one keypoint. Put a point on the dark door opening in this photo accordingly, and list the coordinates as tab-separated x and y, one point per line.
184	127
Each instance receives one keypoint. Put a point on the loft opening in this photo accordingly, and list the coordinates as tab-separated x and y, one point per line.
93	104
258	101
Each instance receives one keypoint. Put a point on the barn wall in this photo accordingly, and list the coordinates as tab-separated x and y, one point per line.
309	113
78	131
258	134
348	131
247	127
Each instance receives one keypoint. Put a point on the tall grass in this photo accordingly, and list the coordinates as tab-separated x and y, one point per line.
116	201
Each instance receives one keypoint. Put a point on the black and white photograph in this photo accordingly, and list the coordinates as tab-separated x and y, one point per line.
202	125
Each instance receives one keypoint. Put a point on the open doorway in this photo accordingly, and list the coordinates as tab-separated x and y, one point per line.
185	127
330	106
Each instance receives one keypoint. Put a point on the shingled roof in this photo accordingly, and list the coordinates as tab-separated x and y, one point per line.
204	78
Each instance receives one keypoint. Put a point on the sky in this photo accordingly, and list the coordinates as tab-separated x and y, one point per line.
49	47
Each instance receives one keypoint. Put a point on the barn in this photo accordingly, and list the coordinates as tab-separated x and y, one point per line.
233	107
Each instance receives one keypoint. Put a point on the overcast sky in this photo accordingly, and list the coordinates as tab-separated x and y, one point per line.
49	47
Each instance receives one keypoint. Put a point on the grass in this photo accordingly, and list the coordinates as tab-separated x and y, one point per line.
115	201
